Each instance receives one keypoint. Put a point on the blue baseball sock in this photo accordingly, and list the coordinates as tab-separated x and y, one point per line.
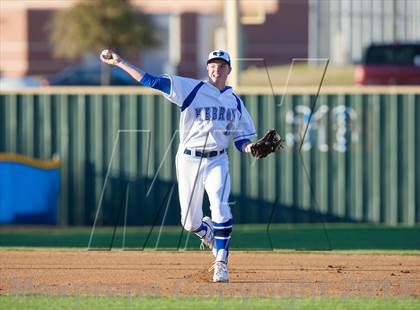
201	231
222	239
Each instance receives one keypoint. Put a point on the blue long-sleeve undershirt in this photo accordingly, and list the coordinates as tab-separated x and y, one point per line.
157	82
240	143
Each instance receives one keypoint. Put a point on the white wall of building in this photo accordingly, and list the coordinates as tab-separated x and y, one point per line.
341	29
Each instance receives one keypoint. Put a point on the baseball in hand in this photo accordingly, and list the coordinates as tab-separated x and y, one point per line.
106	55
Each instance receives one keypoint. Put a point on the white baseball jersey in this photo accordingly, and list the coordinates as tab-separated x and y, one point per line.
206	111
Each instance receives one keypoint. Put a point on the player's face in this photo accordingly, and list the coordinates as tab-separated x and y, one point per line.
218	71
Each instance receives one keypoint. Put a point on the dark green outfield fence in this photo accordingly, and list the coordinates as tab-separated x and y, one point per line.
358	163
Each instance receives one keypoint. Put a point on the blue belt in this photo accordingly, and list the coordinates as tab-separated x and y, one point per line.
203	154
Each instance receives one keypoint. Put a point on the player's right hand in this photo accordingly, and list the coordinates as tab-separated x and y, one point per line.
109	57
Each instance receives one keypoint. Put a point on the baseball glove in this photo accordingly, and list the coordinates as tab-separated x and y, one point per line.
271	142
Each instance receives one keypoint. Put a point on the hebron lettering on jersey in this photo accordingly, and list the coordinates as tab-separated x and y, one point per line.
215	114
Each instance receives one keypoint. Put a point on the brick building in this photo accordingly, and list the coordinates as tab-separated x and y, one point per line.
276	30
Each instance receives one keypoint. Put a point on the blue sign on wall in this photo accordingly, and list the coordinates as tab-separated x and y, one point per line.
29	190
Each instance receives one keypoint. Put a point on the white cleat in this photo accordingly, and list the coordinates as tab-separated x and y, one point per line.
208	239
220	272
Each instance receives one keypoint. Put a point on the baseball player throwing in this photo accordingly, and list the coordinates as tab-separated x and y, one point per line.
210	114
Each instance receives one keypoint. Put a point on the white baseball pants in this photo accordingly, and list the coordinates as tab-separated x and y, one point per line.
195	175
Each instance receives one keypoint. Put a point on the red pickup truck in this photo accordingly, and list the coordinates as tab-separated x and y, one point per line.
390	64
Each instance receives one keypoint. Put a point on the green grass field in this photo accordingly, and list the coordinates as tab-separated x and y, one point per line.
245	237
46	302
302	74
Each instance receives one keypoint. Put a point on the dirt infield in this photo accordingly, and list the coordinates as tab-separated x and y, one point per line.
97	273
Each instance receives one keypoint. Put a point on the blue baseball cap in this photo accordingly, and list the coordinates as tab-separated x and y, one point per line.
219	54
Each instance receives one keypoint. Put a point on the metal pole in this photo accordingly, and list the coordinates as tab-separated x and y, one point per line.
394	20
174	43
233	33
